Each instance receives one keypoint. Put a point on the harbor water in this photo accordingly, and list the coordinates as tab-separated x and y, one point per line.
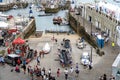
77	1
44	22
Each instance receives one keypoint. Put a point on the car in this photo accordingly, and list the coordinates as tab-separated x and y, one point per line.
85	58
12	59
67	43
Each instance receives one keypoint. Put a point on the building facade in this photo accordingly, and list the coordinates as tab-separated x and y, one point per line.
102	21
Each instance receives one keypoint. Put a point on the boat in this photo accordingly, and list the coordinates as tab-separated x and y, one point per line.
44	15
60	21
40	8
64	22
46	48
57	20
51	7
15	7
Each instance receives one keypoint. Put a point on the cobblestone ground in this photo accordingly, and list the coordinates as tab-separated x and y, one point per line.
101	65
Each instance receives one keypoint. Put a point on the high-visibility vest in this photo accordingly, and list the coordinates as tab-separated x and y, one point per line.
113	44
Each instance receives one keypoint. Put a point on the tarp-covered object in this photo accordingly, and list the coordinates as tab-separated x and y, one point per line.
46	48
18	41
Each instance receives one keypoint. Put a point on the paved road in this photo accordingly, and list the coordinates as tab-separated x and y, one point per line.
101	65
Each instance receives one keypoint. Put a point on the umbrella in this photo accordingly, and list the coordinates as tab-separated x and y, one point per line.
18	41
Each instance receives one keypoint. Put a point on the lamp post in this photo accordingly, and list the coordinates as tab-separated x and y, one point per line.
83	15
91	55
91	29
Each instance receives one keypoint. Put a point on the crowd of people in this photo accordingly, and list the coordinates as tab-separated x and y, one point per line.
104	77
37	72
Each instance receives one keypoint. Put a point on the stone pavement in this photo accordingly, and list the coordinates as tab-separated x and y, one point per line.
49	61
101	65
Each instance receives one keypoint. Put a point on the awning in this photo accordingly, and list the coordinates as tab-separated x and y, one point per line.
18	41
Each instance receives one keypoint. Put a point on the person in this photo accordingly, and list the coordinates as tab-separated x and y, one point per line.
24	68
77	65
35	53
104	77
43	69
106	39
17	69
101	78
113	78
2	60
44	77
56	41
18	61
66	73
31	73
58	72
28	69
58	48
53	38
77	72
40	54
49	72
90	66
24	62
38	60
71	71
43	53
113	44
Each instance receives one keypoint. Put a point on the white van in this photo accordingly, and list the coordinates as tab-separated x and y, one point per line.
85	58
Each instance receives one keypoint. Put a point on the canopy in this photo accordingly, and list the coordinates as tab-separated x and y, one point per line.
18	41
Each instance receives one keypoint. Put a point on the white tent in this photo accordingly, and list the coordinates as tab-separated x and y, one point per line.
46	48
3	25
